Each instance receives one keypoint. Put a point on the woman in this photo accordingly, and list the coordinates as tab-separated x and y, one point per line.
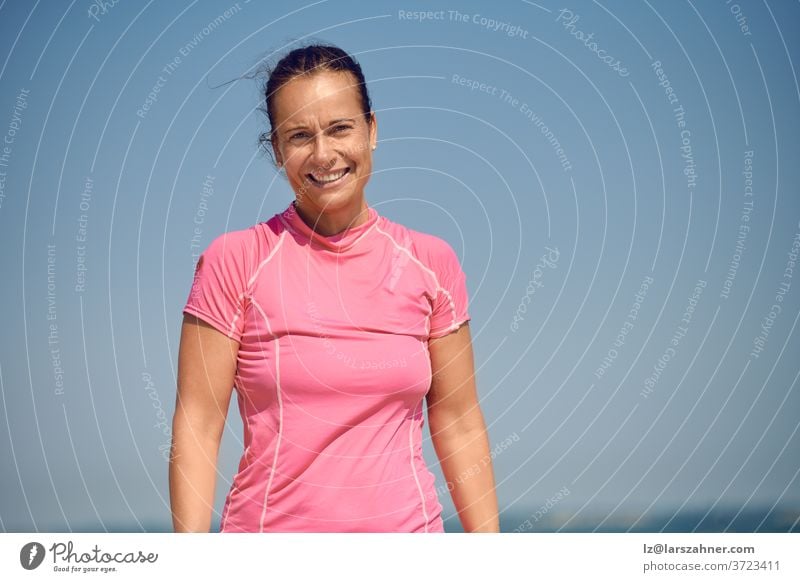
332	322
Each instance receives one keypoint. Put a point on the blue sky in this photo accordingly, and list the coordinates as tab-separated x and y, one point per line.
618	180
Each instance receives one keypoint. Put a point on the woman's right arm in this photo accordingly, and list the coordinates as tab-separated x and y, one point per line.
206	370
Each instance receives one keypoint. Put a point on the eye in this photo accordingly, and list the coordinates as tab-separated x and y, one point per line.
298	134
341	128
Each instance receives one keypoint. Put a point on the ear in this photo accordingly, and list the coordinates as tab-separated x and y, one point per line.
373	130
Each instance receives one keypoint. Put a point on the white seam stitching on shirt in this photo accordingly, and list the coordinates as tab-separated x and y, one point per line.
265	261
286	224
435	279
415	259
248	292
289	227
452	311
280	416
414	468
208	317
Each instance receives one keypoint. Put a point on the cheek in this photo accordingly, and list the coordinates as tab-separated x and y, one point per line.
363	157
366	165
293	160
295	175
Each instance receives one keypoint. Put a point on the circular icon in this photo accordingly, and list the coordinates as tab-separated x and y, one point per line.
31	555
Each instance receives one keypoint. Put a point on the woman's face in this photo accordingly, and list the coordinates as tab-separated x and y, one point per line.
323	140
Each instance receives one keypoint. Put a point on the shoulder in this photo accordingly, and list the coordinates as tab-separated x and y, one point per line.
254	241
231	244
432	251
238	251
234	238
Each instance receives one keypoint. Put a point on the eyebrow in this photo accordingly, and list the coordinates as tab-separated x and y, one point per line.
333	122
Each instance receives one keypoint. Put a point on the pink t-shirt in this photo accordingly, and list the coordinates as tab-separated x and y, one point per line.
333	368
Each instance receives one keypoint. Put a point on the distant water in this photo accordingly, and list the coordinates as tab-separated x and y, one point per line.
760	520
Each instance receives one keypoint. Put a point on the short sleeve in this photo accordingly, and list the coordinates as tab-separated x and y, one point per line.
218	294
451	300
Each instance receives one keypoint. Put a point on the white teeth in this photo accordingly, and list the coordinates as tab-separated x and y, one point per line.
329	177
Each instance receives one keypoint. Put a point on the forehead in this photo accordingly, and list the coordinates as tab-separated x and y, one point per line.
317	97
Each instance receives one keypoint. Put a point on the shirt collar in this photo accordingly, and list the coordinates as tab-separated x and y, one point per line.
339	242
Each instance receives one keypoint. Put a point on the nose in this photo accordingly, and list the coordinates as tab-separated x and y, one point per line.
323	154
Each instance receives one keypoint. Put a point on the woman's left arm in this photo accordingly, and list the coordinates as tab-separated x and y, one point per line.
459	433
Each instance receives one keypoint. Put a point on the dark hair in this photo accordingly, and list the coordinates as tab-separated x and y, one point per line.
307	60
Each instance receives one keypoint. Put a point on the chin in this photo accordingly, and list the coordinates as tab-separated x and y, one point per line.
334	202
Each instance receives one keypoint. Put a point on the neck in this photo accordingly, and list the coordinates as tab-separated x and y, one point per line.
333	222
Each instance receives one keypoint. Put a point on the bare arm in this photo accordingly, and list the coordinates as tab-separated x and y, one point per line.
459	433
206	369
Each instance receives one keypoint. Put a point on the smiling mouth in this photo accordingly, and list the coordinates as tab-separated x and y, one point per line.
329	179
